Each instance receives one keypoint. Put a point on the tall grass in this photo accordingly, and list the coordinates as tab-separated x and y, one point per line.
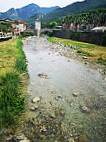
12	99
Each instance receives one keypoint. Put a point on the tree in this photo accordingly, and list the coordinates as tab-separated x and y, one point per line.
53	24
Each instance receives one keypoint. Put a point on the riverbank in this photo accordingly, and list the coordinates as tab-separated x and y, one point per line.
13	73
66	97
88	51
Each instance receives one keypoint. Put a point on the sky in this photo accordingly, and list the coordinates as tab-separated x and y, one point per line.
7	4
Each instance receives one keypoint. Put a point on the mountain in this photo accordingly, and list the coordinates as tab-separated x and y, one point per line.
75	8
46	10
26	11
30	21
11	13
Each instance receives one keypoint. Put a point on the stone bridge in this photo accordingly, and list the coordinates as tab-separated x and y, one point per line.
46	30
41	31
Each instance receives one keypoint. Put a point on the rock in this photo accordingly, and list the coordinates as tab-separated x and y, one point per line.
42	136
62	113
3	130
59	96
37	99
36	107
71	140
41	75
32	108
32	84
25	141
75	94
82	138
68	60
52	115
84	57
69	101
85	109
86	63
22	137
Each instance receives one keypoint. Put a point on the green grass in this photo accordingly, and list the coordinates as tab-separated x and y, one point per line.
92	51
12	98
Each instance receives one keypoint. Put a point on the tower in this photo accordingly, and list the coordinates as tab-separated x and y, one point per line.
37	27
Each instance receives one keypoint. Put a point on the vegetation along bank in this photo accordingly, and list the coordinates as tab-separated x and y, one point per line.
13	72
92	52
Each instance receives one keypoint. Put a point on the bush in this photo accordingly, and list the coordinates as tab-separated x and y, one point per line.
71	35
77	36
26	35
50	34
104	40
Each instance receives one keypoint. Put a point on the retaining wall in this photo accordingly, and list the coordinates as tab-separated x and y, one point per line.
89	37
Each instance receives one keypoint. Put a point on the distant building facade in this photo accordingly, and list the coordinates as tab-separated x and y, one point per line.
17	25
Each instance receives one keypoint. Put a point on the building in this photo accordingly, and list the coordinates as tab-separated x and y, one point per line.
37	27
1	20
19	26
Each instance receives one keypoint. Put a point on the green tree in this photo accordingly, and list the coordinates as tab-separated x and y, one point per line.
52	24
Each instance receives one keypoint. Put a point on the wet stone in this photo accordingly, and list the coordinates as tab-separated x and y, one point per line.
82	138
86	63
71	140
75	94
52	115
37	99
42	136
62	113
25	141
59	96
85	109
32	108
84	57
42	75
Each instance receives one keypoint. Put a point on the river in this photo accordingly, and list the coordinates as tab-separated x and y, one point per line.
71	96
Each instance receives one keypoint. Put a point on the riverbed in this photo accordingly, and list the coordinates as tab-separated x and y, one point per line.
70	93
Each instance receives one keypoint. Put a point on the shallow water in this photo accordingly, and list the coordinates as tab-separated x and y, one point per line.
65	77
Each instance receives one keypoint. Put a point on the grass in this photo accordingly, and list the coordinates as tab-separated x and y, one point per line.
12	64
93	52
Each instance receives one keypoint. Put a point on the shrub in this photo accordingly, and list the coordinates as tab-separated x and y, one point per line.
104	40
71	35
77	35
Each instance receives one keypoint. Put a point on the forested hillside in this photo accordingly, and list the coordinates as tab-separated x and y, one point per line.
75	8
90	20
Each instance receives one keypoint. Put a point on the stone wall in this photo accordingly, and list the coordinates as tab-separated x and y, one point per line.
89	37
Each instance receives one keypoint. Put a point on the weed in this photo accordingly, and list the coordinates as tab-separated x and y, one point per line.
12	100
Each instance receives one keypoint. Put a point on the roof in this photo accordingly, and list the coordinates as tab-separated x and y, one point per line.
20	21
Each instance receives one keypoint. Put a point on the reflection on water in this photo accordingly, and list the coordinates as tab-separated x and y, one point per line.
60	114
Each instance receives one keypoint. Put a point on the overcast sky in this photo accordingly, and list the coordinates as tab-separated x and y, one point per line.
7	4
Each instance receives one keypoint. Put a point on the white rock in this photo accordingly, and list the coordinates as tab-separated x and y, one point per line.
25	141
37	99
